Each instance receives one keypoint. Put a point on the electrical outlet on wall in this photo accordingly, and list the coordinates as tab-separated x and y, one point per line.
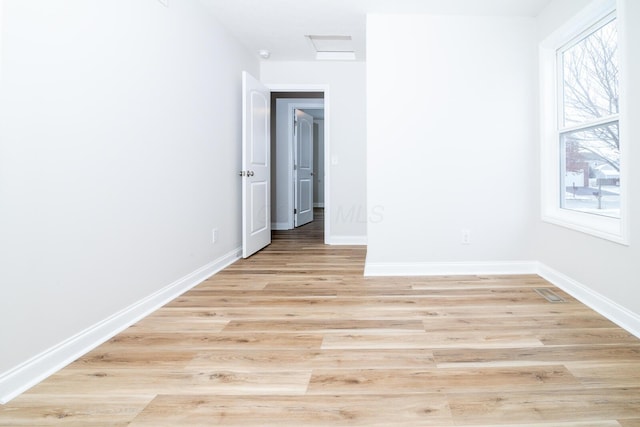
465	237
214	235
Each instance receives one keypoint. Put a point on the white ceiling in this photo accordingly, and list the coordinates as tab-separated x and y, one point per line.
280	26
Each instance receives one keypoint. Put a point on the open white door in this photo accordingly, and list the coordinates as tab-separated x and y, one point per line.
256	197
303	168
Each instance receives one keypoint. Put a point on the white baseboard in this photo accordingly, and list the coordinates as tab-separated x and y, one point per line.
347	240
31	372
318	205
613	311
449	268
280	226
28	374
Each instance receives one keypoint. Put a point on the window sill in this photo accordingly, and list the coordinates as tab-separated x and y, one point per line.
607	228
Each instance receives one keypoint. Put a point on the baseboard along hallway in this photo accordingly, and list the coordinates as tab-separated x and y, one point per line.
296	335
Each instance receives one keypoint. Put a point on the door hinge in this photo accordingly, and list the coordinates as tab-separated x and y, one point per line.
295	167
295	211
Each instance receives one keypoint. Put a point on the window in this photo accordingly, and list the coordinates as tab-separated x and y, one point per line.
588	132
583	185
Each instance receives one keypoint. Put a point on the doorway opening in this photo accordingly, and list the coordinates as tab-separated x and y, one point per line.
298	151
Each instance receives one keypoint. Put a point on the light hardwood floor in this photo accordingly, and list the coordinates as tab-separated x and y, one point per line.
296	336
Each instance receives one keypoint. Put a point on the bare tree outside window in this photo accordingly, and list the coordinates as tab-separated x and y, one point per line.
589	135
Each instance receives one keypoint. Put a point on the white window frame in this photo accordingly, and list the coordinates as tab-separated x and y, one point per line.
614	229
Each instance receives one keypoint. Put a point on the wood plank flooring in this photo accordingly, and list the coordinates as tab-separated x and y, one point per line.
296	336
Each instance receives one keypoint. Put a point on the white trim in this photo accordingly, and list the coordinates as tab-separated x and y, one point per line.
625	175
613	311
277	87
449	268
31	372
285	111
346	240
292	106
601	121
318	205
25	376
327	141
280	226
611	229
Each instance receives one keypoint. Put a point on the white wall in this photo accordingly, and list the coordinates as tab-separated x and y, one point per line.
609	270
119	152
346	138
452	143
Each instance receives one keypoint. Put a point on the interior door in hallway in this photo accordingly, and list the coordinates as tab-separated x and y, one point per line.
255	173
303	166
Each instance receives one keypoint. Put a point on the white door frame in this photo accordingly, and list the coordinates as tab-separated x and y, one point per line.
285	158
300	172
327	144
292	107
